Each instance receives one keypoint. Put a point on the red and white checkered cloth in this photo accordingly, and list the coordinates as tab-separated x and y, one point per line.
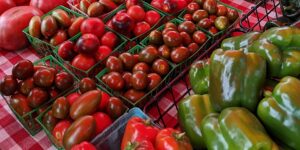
14	137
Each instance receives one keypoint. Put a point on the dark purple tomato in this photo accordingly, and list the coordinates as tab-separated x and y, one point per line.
86	84
115	81
221	10
186	38
37	96
164	51
63	81
179	54
192	7
43	77
115	107
123	23
232	15
172	39
154	80
87	44
26	86
161	67
187	26
139	80
166	30
49	120
134	95
127	60
8	85
199	14
127	78
170	25
60	108
20	104
113	63
141	66
148	54
205	23
155	37
23	70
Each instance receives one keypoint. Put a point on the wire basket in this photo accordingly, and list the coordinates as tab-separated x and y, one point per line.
94	70
28	120
141	102
220	33
162	108
44	48
260	14
181	66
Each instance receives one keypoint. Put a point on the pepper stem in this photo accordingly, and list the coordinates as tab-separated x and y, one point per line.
148	122
132	146
267	93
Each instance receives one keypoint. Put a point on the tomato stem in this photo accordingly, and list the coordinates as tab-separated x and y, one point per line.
179	136
132	146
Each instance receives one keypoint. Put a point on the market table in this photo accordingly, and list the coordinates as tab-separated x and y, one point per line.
12	135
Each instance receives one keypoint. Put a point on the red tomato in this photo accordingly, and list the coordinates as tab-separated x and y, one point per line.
104	101
157	4
21	2
46	6
84	146
5	5
83	62
102	121
130	3
181	4
141	28
102	52
109	39
136	12
94	26
152	17
188	17
65	50
60	129
72	97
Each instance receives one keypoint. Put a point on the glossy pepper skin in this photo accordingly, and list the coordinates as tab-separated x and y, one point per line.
236	79
280	111
191	111
199	76
171	139
280	46
137	130
235	128
238	42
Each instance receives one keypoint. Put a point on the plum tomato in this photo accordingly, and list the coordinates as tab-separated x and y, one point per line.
94	26
23	70
187	26
186	38
102	52
113	63
20	104
48	26
53	92
104	101
157	4
127	60
192	7
199	14
86	84
65	50
44	77
130	3
115	107
205	23
109	39
72	97
232	15
213	30
84	5
87	44
221	10
134	95
221	23
127	78
83	62
152	17
155	37
102	121
75	26
60	108
139	80
179	54
8	85
161	67
63	80
37	96
60	129
136	12
49	121
141	28
141	66
96	9
172	39
199	37
115	81
154	80
123	23
188	17
59	37
164	51
193	47
26	86
148	54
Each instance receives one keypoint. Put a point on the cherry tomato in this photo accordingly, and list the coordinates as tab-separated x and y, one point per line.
170	25
115	107
186	38
127	60
115	81
172	38
134	95
152	17
72	97
188	17
26	86
205	23
130	3
43	77
87	44
193	47
179	54
164	51
161	67
60	108
141	28
113	63
63	80
127	78
102	121
103	52
166	30
23	70
154	80
199	37
139	80
49	120
141	66
104	101
93	26
192	7
86	84
187	26
136	12
83	62
212	18
232	14
65	50
221	10
60	129
8	85
36	97
20	104
199	14
213	30
109	39
148	54
53	92
155	37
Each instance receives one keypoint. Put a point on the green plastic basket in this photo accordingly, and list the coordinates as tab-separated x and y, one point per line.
147	7
28	120
223	32
39	119
98	66
140	103
181	66
44	48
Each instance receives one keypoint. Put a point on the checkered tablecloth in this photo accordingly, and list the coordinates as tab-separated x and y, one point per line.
14	137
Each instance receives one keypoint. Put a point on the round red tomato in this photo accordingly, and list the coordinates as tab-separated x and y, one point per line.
104	101
65	50
199	37
113	63
109	39
127	78
152	17
94	26
136	12
130	3
102	121
127	60
72	97
102	52
23	70
139	80
122	22
161	67
44	77
86	84
8	85
115	81
63	80
141	66
83	62
141	28
154	80
60	129
87	43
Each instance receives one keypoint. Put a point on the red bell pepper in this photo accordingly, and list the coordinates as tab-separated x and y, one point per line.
171	139
137	130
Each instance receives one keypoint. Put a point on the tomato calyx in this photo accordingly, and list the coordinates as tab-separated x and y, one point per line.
147	122
178	136
132	145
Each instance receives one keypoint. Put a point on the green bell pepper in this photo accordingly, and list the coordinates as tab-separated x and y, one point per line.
280	111
280	46
236	79
191	111
235	129
238	42
199	76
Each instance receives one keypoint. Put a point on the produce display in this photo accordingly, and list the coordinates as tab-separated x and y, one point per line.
80	115
210	15
196	86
